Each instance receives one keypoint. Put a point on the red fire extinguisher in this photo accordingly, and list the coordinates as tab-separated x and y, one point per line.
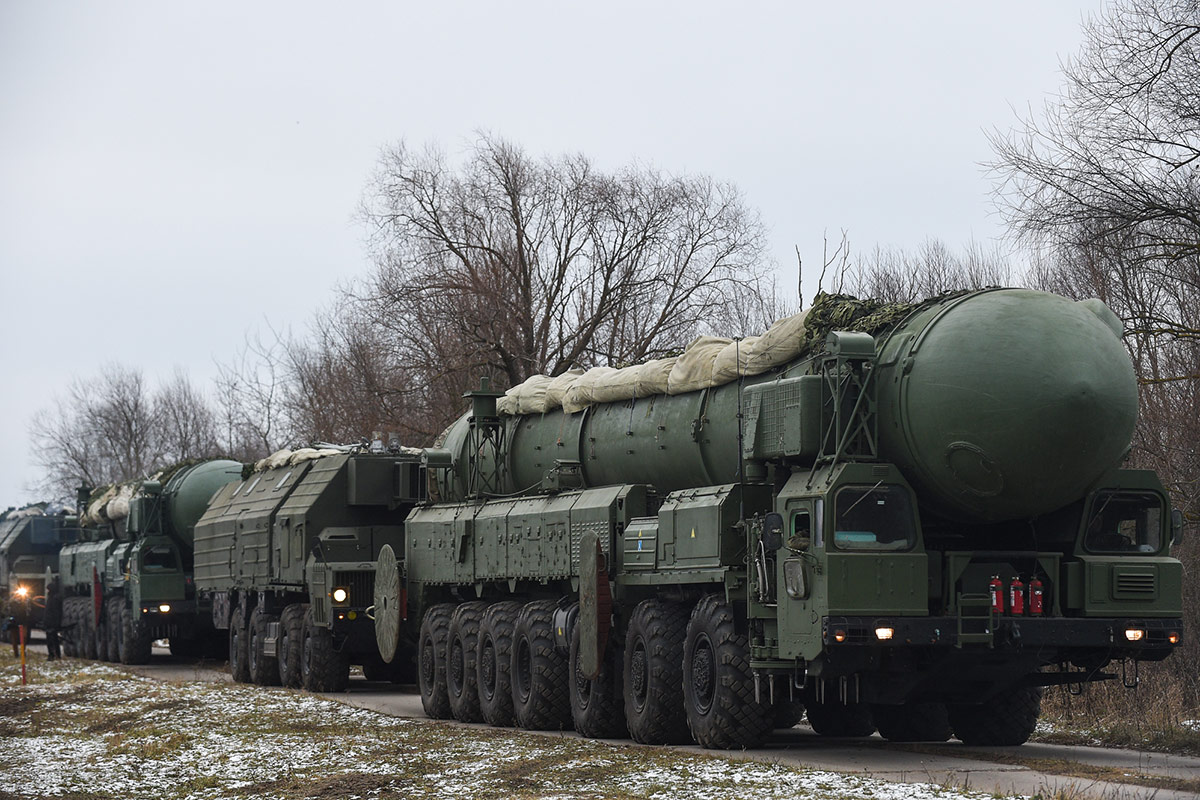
996	590
1036	596
1016	597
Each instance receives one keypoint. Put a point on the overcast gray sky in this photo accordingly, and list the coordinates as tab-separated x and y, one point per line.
172	175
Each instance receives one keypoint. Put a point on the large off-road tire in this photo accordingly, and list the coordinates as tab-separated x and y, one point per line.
835	719
461	651
541	700
653	673
186	646
1007	719
135	639
431	664
598	705
322	667
493	662
788	714
912	722
264	669
288	648
239	651
718	687
112	646
70	632
374	668
87	628
100	633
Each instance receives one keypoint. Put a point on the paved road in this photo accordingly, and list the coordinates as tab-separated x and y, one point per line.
945	764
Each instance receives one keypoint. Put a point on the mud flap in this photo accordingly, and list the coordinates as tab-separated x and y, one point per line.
595	606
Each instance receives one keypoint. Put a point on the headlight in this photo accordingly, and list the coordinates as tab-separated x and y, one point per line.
165	608
883	634
340	595
1134	634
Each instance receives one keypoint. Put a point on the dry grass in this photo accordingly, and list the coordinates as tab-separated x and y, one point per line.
1161	714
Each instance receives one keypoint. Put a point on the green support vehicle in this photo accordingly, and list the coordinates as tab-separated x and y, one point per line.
913	524
286	556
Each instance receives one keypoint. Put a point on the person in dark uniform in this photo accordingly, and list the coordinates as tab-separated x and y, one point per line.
52	618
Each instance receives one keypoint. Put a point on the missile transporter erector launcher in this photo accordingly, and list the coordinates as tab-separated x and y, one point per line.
129	580
902	527
287	555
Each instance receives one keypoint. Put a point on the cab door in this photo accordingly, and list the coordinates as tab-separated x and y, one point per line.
800	579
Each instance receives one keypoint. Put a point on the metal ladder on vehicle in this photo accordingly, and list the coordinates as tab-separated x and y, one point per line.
975	627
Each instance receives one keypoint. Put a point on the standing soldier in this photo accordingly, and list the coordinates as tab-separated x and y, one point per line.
52	619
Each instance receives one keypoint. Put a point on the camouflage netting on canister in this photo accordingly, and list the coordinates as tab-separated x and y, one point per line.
110	503
708	360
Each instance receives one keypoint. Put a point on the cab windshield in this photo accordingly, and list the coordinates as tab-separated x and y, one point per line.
1124	523
159	559
876	517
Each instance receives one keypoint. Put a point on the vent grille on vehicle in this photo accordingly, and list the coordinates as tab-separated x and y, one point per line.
1135	585
360	584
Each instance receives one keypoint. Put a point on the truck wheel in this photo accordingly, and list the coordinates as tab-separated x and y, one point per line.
598	705
653	673
263	669
322	667
135	638
239	653
112	611
835	719
431	672
912	722
185	647
291	638
538	671
100	634
87	630
462	687
70	629
1007	719
493	662
718	688
788	714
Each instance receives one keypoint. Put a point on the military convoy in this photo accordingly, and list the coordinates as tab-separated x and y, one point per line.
908	519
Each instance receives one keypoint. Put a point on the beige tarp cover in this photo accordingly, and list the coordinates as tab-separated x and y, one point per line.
286	457
707	361
583	391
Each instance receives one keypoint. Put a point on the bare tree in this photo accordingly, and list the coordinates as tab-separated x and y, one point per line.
113	428
901	276
511	266
187	426
344	382
251	395
1113	165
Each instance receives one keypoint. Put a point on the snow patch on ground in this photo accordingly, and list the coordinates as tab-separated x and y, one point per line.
94	729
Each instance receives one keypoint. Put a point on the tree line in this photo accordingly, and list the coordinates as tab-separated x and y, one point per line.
507	264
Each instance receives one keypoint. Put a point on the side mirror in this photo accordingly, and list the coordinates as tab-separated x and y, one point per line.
1176	526
772	537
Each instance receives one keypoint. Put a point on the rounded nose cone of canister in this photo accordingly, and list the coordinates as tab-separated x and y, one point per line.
1008	404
